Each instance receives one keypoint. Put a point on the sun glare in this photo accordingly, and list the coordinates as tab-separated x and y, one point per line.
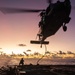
20	50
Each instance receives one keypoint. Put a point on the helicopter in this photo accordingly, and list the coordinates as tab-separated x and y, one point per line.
56	15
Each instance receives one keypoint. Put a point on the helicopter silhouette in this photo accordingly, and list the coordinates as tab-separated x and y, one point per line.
52	18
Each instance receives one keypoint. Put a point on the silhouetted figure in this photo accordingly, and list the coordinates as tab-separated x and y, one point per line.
21	62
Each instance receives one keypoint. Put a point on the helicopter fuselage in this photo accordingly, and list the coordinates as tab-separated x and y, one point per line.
55	16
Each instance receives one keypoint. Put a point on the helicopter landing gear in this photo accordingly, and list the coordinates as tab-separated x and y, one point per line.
39	41
64	28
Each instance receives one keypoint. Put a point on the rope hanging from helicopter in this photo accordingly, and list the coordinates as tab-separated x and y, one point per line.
43	55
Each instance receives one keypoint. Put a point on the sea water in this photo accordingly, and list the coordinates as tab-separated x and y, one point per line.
35	61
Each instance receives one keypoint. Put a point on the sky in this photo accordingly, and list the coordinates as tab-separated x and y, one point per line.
21	28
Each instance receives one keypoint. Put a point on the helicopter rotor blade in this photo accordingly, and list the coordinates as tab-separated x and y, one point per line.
17	10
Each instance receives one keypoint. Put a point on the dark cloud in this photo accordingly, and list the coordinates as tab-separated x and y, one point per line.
0	48
21	45
28	50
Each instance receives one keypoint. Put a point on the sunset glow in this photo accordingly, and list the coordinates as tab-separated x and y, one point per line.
21	28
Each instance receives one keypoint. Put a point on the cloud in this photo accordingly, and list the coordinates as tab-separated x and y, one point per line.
21	45
28	50
0	48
